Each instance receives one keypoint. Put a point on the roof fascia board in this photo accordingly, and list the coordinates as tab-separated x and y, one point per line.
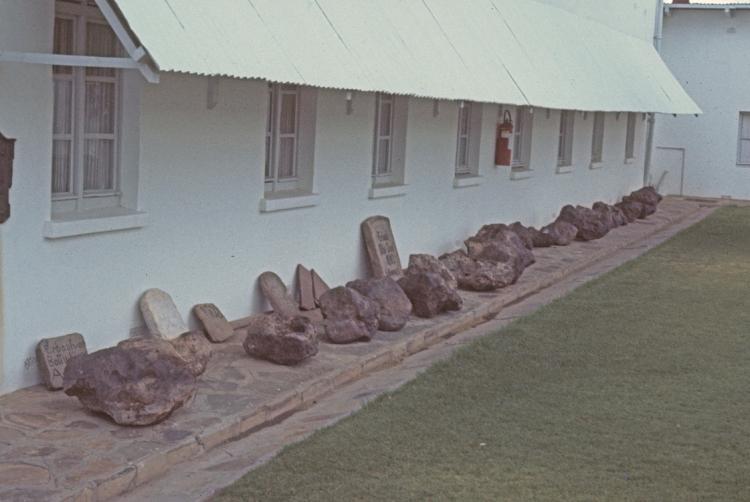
136	53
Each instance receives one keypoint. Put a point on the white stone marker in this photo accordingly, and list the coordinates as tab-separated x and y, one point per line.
161	315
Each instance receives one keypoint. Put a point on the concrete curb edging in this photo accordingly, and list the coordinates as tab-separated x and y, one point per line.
305	395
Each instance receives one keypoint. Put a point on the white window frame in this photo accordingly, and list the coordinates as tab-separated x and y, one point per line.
630	137
381	100
522	136
77	199
463	166
597	139
565	139
743	140
274	181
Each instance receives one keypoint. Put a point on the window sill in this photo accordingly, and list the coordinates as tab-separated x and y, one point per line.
386	191
596	165
93	222
564	169
521	174
284	201
467	180
629	161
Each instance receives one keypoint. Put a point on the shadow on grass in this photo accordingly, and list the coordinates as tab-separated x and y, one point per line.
633	387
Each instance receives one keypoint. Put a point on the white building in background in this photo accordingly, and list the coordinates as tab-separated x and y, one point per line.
707	46
192	145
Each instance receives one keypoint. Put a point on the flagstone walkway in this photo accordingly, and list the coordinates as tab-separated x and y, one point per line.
52	449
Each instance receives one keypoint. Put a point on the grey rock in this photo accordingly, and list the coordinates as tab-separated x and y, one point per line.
195	349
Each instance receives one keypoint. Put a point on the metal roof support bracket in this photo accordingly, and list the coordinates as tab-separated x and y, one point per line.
136	53
212	93
349	102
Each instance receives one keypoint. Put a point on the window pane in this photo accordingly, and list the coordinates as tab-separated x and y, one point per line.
745	151
286	158
61	156
269	172
98	165
63	42
465	116
101	41
745	125
384	157
288	119
100	108
62	120
386	111
463	152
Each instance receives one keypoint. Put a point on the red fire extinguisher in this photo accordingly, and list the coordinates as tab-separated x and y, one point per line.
502	142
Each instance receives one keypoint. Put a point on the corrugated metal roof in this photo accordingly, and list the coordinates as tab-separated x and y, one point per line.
497	51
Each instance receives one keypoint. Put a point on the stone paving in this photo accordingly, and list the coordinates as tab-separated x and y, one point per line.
53	449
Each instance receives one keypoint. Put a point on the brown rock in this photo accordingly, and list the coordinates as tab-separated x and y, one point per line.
561	233
194	349
647	195
525	233
139	382
282	340
498	243
613	215
216	325
430	293
631	209
420	263
477	275
394	307
349	315
589	223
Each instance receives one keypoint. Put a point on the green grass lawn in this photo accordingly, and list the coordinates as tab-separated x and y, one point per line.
635	386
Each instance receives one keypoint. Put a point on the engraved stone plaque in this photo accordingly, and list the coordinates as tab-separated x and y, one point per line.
381	247
216	325
161	315
52	355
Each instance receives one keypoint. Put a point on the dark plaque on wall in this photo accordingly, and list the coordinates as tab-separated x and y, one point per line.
6	176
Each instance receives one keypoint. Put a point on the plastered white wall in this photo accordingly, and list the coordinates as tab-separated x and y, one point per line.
201	181
708	53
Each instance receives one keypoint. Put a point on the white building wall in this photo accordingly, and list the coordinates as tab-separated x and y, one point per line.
708	52
201	182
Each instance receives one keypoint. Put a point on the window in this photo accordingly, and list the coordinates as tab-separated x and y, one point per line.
383	163
743	147
86	116
290	138
464	129
597	139
630	138
565	142
281	133
389	146
522	138
469	135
